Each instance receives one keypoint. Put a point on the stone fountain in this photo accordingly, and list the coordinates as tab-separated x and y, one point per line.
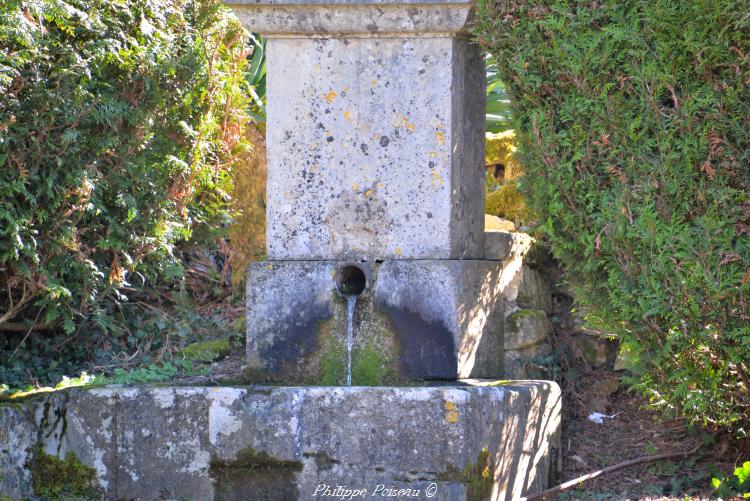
375	143
375	327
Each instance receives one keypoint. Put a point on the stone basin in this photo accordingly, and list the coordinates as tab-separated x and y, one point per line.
465	440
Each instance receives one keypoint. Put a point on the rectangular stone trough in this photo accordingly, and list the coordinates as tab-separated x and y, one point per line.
468	441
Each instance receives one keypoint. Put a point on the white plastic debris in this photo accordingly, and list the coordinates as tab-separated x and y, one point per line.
599	418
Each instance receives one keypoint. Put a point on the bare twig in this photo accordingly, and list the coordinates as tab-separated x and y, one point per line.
21	327
27	334
609	469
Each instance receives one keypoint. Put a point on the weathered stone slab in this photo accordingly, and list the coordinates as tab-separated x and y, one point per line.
324	18
374	149
18	438
415	320
285	442
162	443
497	245
83	423
375	137
534	291
526	328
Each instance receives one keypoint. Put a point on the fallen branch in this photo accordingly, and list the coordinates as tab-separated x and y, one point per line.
22	327
609	469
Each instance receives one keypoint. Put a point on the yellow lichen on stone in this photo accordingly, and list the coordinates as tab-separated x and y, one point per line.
439	138
451	412
330	97
347	115
402	122
437	179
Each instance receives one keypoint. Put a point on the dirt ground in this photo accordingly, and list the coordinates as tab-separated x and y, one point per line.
636	432
632	432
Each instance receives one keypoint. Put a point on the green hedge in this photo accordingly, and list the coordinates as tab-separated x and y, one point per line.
633	123
115	122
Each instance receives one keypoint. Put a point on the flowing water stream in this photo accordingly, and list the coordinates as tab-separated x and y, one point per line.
351	302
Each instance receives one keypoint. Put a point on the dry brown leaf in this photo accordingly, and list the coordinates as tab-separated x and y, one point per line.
116	272
708	169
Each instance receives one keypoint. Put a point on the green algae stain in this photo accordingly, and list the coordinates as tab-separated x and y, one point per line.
61	479
369	366
332	353
332	367
477	477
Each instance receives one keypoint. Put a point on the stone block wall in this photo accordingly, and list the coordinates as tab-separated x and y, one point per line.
527	293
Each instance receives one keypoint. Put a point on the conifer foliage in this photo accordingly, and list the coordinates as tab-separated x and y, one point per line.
116	123
633	126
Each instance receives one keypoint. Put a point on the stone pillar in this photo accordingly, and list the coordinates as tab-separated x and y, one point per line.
375	130
375	120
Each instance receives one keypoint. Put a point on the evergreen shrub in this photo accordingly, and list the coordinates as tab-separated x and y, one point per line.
632	121
118	124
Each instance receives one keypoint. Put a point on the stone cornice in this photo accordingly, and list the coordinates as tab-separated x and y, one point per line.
347	18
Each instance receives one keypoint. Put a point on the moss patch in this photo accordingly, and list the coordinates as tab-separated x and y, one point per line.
56	479
373	355
369	366
507	202
332	366
477	477
332	355
512	322
207	351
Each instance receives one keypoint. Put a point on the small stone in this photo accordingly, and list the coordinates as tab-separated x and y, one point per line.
523	363
497	245
597	351
494	223
534	291
526	328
